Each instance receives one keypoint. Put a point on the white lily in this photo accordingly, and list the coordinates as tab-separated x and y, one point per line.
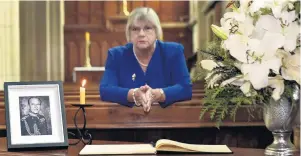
244	5
237	46
229	23
208	64
245	88
256	5
274	64
237	15
291	34
278	84
237	21
269	23
246	27
275	5
226	25
291	66
288	17
266	48
290	6
286	36
258	73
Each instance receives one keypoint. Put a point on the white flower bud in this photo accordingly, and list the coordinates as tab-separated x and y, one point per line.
290	6
218	31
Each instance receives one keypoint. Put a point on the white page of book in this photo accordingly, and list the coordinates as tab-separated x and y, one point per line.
118	149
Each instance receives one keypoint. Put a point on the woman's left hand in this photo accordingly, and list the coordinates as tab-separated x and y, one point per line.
145	89
152	96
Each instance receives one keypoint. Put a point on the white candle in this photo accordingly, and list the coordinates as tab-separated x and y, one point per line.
82	93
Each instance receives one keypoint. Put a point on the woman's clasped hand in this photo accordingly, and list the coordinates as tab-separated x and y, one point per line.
145	96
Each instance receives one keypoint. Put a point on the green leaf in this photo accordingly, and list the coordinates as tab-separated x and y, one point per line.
297	7
203	111
265	11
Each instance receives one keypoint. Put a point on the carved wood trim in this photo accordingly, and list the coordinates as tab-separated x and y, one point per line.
116	116
110	25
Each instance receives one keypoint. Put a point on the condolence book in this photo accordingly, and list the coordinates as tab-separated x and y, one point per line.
162	146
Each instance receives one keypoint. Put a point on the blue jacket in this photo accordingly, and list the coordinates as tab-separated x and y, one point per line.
167	70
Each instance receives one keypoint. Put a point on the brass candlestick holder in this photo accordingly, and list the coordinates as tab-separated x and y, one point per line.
87	51
125	7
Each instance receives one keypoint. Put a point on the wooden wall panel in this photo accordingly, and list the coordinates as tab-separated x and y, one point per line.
72	59
181	36
97	13
155	5
104	48
110	8
83	12
96	54
70	12
135	5
94	16
81	54
178	14
218	13
166	9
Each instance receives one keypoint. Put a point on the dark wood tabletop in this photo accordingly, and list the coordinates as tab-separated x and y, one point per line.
75	149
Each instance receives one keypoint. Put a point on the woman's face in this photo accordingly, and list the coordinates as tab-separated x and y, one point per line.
143	34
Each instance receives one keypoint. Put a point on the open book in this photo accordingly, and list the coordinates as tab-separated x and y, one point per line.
162	146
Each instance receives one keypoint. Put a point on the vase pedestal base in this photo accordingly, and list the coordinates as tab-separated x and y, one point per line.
281	146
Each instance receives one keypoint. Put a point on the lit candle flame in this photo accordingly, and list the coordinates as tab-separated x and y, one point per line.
84	82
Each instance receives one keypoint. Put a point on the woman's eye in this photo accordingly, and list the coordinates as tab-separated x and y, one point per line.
148	28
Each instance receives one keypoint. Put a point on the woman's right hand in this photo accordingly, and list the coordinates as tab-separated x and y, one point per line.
147	105
140	98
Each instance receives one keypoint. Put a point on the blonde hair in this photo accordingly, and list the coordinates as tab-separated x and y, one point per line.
144	14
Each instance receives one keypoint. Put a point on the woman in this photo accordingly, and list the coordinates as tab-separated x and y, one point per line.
146	70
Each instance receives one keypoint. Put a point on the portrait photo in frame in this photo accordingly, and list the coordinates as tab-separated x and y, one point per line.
35	115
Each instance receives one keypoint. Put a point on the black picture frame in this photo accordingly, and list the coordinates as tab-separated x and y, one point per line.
35	115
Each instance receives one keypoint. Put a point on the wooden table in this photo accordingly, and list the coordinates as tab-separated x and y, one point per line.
74	150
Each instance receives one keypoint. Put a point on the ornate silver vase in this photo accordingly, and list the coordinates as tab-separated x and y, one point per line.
279	117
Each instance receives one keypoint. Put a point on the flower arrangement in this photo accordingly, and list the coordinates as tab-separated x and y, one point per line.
256	56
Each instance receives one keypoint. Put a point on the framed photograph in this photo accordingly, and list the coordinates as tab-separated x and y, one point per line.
35	115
